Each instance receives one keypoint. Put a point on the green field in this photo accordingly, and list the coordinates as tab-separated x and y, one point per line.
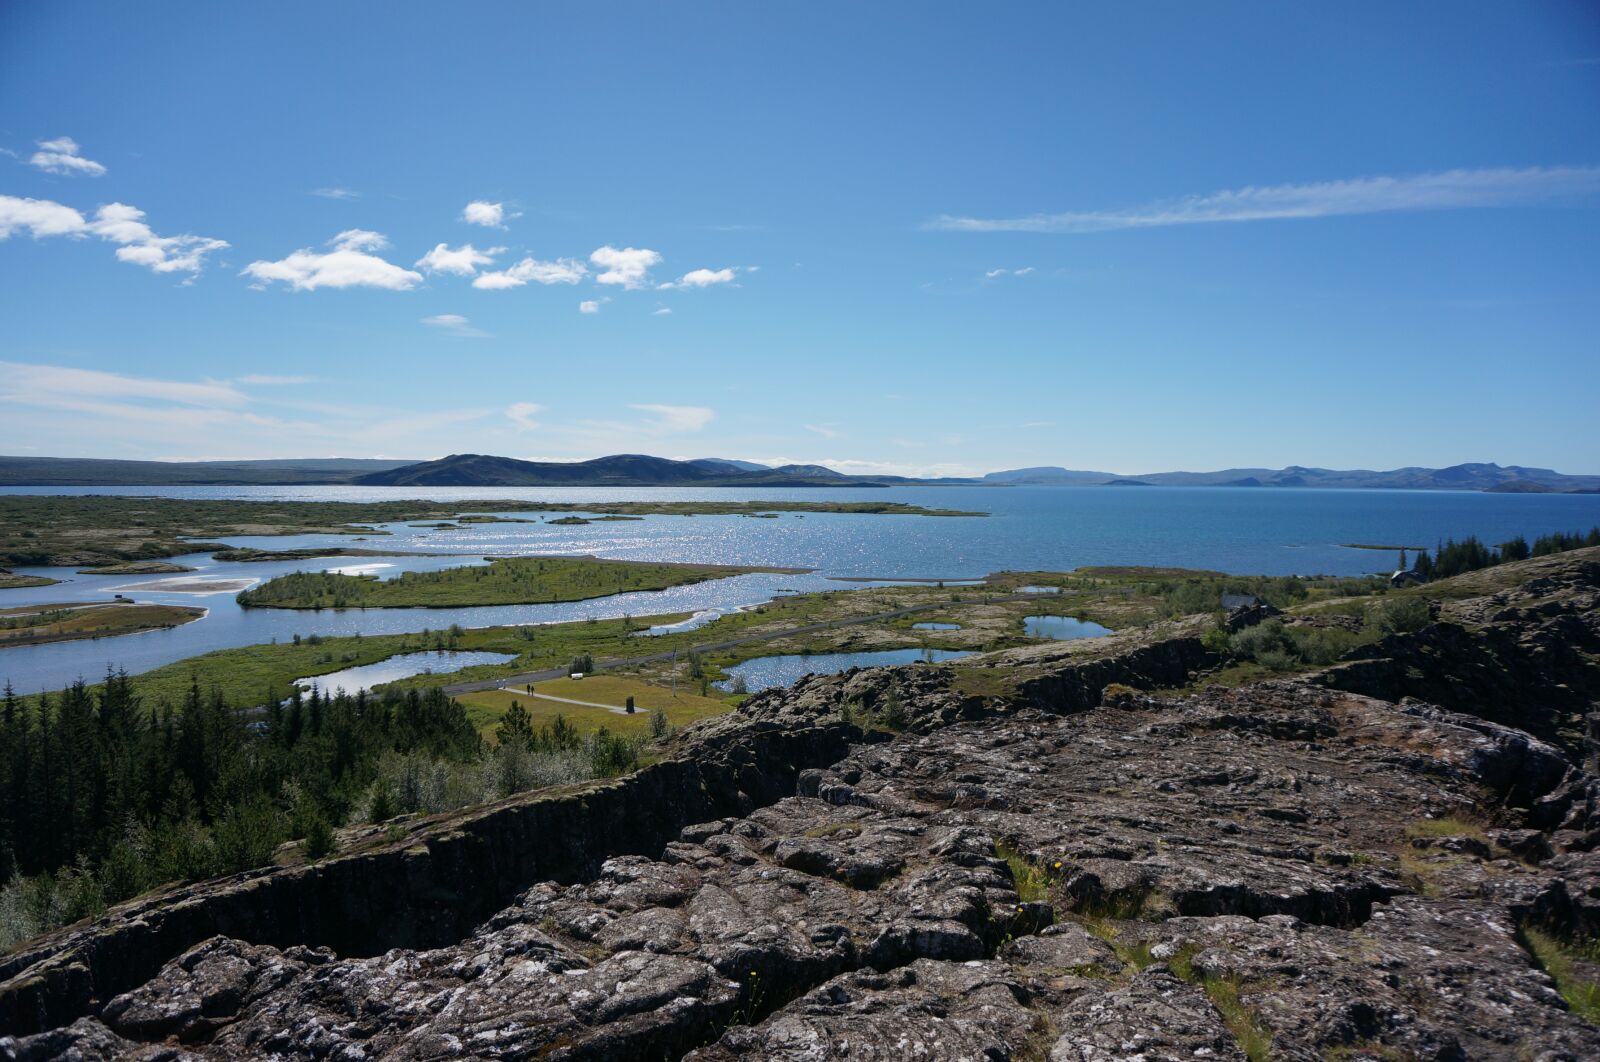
485	709
512	581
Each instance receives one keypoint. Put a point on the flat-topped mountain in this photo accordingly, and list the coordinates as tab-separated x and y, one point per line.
621	470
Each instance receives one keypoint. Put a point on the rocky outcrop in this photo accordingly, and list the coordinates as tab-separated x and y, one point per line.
447	874
1166	877
1526	655
426	890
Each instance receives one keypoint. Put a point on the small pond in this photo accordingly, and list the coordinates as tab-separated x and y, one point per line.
694	622
766	672
936	626
1038	590
1062	628
354	679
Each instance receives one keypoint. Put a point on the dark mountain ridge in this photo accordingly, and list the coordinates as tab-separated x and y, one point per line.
620	470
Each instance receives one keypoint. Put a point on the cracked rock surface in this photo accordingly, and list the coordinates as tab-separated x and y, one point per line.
1170	878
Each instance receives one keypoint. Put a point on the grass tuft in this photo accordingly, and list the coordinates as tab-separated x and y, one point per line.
1447	826
1031	882
1561	960
1254	1039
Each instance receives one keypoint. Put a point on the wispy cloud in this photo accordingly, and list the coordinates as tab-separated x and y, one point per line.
349	265
336	193
664	311
674	419
996	274
63	156
262	380
54	386
1448	190
522	413
74	409
822	430
591	305
453	324
560	271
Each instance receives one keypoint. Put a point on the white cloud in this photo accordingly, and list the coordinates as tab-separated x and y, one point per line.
701	278
522	414
360	240
822	430
673	419
589	306
463	261
1024	271
627	266
61	156
560	271
1448	190
489	215
348	265
995	274
454	324
665	311
116	223
125	225
336	193
40	217
262	380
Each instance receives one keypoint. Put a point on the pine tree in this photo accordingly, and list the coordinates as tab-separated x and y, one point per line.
515	727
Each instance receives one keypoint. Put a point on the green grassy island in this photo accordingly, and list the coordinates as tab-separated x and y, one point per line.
12	581
36	624
508	581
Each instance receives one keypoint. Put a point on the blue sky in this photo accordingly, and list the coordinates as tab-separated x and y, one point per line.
906	237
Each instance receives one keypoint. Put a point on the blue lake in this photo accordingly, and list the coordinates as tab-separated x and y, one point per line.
1241	530
353	680
1062	628
936	626
768	671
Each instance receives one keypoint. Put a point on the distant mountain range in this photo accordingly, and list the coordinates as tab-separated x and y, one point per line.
1478	476
641	470
94	472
